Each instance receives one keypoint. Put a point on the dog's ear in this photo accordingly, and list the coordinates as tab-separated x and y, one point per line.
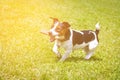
66	24
54	19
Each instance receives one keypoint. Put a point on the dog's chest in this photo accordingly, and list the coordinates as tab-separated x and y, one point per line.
66	44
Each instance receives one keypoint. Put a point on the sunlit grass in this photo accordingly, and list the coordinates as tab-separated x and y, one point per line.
27	54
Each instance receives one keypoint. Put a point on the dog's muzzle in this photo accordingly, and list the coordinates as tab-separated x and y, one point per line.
52	38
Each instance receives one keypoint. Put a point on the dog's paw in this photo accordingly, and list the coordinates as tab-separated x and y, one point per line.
87	57
61	60
59	55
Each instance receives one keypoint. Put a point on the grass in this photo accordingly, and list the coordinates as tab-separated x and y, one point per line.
25	54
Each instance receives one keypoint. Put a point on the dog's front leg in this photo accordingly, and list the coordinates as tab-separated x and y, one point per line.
55	49
67	52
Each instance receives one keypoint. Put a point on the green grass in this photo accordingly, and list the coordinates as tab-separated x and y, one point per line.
25	54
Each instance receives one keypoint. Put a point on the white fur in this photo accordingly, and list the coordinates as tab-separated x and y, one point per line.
54	33
55	49
97	26
89	55
93	44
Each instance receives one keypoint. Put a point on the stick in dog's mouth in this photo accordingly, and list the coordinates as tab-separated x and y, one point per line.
44	32
52	38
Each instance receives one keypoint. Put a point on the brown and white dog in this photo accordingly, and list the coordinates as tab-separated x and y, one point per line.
70	40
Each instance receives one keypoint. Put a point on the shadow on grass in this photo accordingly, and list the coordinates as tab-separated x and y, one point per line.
76	59
70	59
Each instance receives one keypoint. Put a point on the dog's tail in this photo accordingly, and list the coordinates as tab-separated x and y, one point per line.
97	28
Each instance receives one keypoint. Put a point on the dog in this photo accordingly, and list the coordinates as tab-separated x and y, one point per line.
70	39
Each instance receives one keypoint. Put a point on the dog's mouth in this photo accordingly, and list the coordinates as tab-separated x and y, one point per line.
52	38
56	37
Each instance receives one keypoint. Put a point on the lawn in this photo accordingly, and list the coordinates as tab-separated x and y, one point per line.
25	54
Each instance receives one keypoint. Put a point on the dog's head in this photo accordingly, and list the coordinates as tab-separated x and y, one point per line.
58	29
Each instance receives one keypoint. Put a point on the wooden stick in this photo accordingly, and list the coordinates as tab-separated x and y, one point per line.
44	32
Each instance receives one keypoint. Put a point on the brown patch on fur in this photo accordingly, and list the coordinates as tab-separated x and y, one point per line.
54	21
66	34
63	29
77	38
86	37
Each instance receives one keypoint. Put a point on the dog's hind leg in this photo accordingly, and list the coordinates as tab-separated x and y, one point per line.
91	48
89	53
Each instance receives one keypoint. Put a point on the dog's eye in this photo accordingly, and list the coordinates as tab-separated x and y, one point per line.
58	29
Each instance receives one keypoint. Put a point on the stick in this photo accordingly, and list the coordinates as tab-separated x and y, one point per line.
44	32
